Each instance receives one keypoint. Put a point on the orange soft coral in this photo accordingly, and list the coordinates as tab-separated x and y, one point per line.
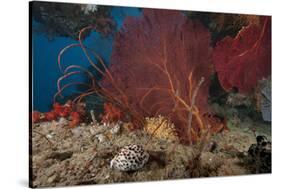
74	112
36	117
62	110
75	119
50	116
111	113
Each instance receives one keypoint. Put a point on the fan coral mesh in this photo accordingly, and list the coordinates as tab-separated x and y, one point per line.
157	61
244	60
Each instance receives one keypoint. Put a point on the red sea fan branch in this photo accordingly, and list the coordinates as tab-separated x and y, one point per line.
242	61
161	57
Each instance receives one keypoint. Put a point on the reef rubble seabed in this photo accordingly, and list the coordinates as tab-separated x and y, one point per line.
62	156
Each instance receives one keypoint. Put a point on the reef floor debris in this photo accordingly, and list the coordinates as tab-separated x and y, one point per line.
61	156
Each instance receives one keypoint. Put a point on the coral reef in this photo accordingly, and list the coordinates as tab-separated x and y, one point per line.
150	116
242	61
82	159
179	80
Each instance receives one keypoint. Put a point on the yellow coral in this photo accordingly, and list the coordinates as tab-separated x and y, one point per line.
160	127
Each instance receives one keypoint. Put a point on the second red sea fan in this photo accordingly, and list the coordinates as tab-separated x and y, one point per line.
157	58
244	60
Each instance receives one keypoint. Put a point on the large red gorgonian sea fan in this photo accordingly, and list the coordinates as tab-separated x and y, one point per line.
158	59
242	61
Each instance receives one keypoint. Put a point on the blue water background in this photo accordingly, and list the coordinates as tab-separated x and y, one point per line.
45	54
